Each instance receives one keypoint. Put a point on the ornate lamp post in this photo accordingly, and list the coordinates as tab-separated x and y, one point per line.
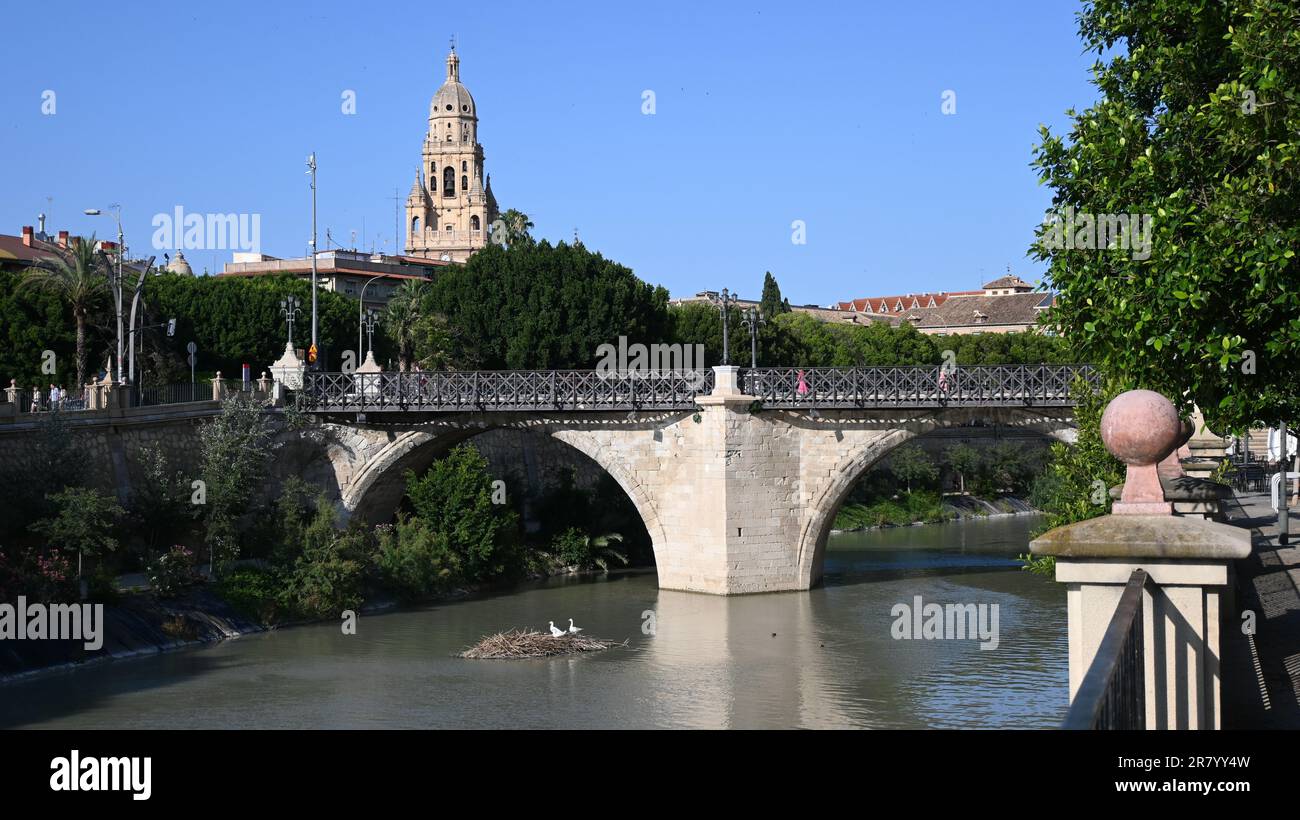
115	281
289	307
753	318
361	308
724	301
372	317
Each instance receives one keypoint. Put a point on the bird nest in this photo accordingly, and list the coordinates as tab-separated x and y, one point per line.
517	644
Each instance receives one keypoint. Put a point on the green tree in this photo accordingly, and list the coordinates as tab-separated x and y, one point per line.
1196	129
964	461
236	320
538	306
235	452
401	320
455	499
771	302
79	277
84	522
911	465
512	228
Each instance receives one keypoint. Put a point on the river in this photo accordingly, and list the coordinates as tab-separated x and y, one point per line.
815	659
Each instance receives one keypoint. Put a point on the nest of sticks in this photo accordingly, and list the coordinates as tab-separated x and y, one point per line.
517	644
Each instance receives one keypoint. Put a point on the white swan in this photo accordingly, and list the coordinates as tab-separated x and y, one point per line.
573	630
555	631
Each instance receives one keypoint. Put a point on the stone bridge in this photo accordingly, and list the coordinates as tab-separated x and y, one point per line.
737	474
737	488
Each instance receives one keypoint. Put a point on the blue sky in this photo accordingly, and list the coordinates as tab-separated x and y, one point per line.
766	113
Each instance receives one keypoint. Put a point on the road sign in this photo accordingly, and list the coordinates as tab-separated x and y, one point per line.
192	358
311	354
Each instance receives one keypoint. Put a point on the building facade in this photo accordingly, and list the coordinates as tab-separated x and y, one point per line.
450	209
1008	304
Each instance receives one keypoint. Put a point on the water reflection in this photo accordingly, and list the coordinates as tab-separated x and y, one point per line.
818	659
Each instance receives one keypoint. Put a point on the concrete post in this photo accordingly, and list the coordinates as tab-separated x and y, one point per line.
218	390
1188	560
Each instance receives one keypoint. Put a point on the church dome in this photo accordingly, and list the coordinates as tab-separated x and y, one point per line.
452	99
179	265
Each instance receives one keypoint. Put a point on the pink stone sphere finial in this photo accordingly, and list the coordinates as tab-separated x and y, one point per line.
1140	428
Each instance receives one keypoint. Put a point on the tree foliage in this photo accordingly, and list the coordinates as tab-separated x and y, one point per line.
454	498
1198	127
543	306
771	303
237	319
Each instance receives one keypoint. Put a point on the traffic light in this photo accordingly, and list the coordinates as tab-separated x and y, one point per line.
311	355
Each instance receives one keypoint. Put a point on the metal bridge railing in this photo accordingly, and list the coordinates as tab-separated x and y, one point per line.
503	390
884	387
775	387
1112	694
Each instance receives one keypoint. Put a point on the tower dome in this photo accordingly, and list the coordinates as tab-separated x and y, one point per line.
452	99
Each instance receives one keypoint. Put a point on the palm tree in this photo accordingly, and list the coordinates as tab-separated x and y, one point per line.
514	228
401	318
79	277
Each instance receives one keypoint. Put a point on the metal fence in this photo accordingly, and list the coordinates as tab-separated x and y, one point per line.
1112	694
176	393
884	387
501	390
23	401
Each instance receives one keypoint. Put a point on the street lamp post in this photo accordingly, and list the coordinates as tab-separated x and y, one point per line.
724	301
311	169
135	305
371	318
753	318
116	281
361	309
289	307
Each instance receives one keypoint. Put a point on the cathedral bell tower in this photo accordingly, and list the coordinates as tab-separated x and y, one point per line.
450	210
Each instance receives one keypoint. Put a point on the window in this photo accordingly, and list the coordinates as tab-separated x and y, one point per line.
448	181
415	225
464	183
473	223
448	227
464	166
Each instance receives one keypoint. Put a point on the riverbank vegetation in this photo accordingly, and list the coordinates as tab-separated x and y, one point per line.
938	482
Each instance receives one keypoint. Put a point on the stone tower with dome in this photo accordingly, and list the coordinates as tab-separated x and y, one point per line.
450	210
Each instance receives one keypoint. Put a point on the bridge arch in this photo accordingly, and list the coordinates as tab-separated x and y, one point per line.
825	500
373	467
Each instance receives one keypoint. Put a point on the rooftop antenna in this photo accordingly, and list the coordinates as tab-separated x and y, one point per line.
328	239
354	239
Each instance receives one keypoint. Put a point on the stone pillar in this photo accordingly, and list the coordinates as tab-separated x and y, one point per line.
218	389
11	392
288	369
264	384
1188	561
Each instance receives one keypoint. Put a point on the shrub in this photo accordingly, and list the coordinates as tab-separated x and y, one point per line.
170	573
573	547
328	577
254	593
180	628
413	560
455	499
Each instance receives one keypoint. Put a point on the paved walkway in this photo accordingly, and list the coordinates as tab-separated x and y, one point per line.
1261	673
